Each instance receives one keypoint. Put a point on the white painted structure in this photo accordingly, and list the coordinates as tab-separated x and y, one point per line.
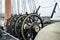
50	32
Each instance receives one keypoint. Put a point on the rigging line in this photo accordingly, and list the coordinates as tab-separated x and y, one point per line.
45	7
13	8
18	6
34	4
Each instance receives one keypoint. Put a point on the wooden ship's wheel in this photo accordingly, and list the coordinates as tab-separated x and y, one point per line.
31	26
18	26
11	24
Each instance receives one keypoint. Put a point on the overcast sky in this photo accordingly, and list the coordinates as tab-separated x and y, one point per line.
49	5
45	10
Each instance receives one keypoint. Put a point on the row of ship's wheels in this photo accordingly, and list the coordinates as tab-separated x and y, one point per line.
27	26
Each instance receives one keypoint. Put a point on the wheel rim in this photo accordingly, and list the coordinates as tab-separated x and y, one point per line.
22	28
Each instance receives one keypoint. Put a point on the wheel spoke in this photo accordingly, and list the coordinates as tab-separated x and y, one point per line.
27	23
